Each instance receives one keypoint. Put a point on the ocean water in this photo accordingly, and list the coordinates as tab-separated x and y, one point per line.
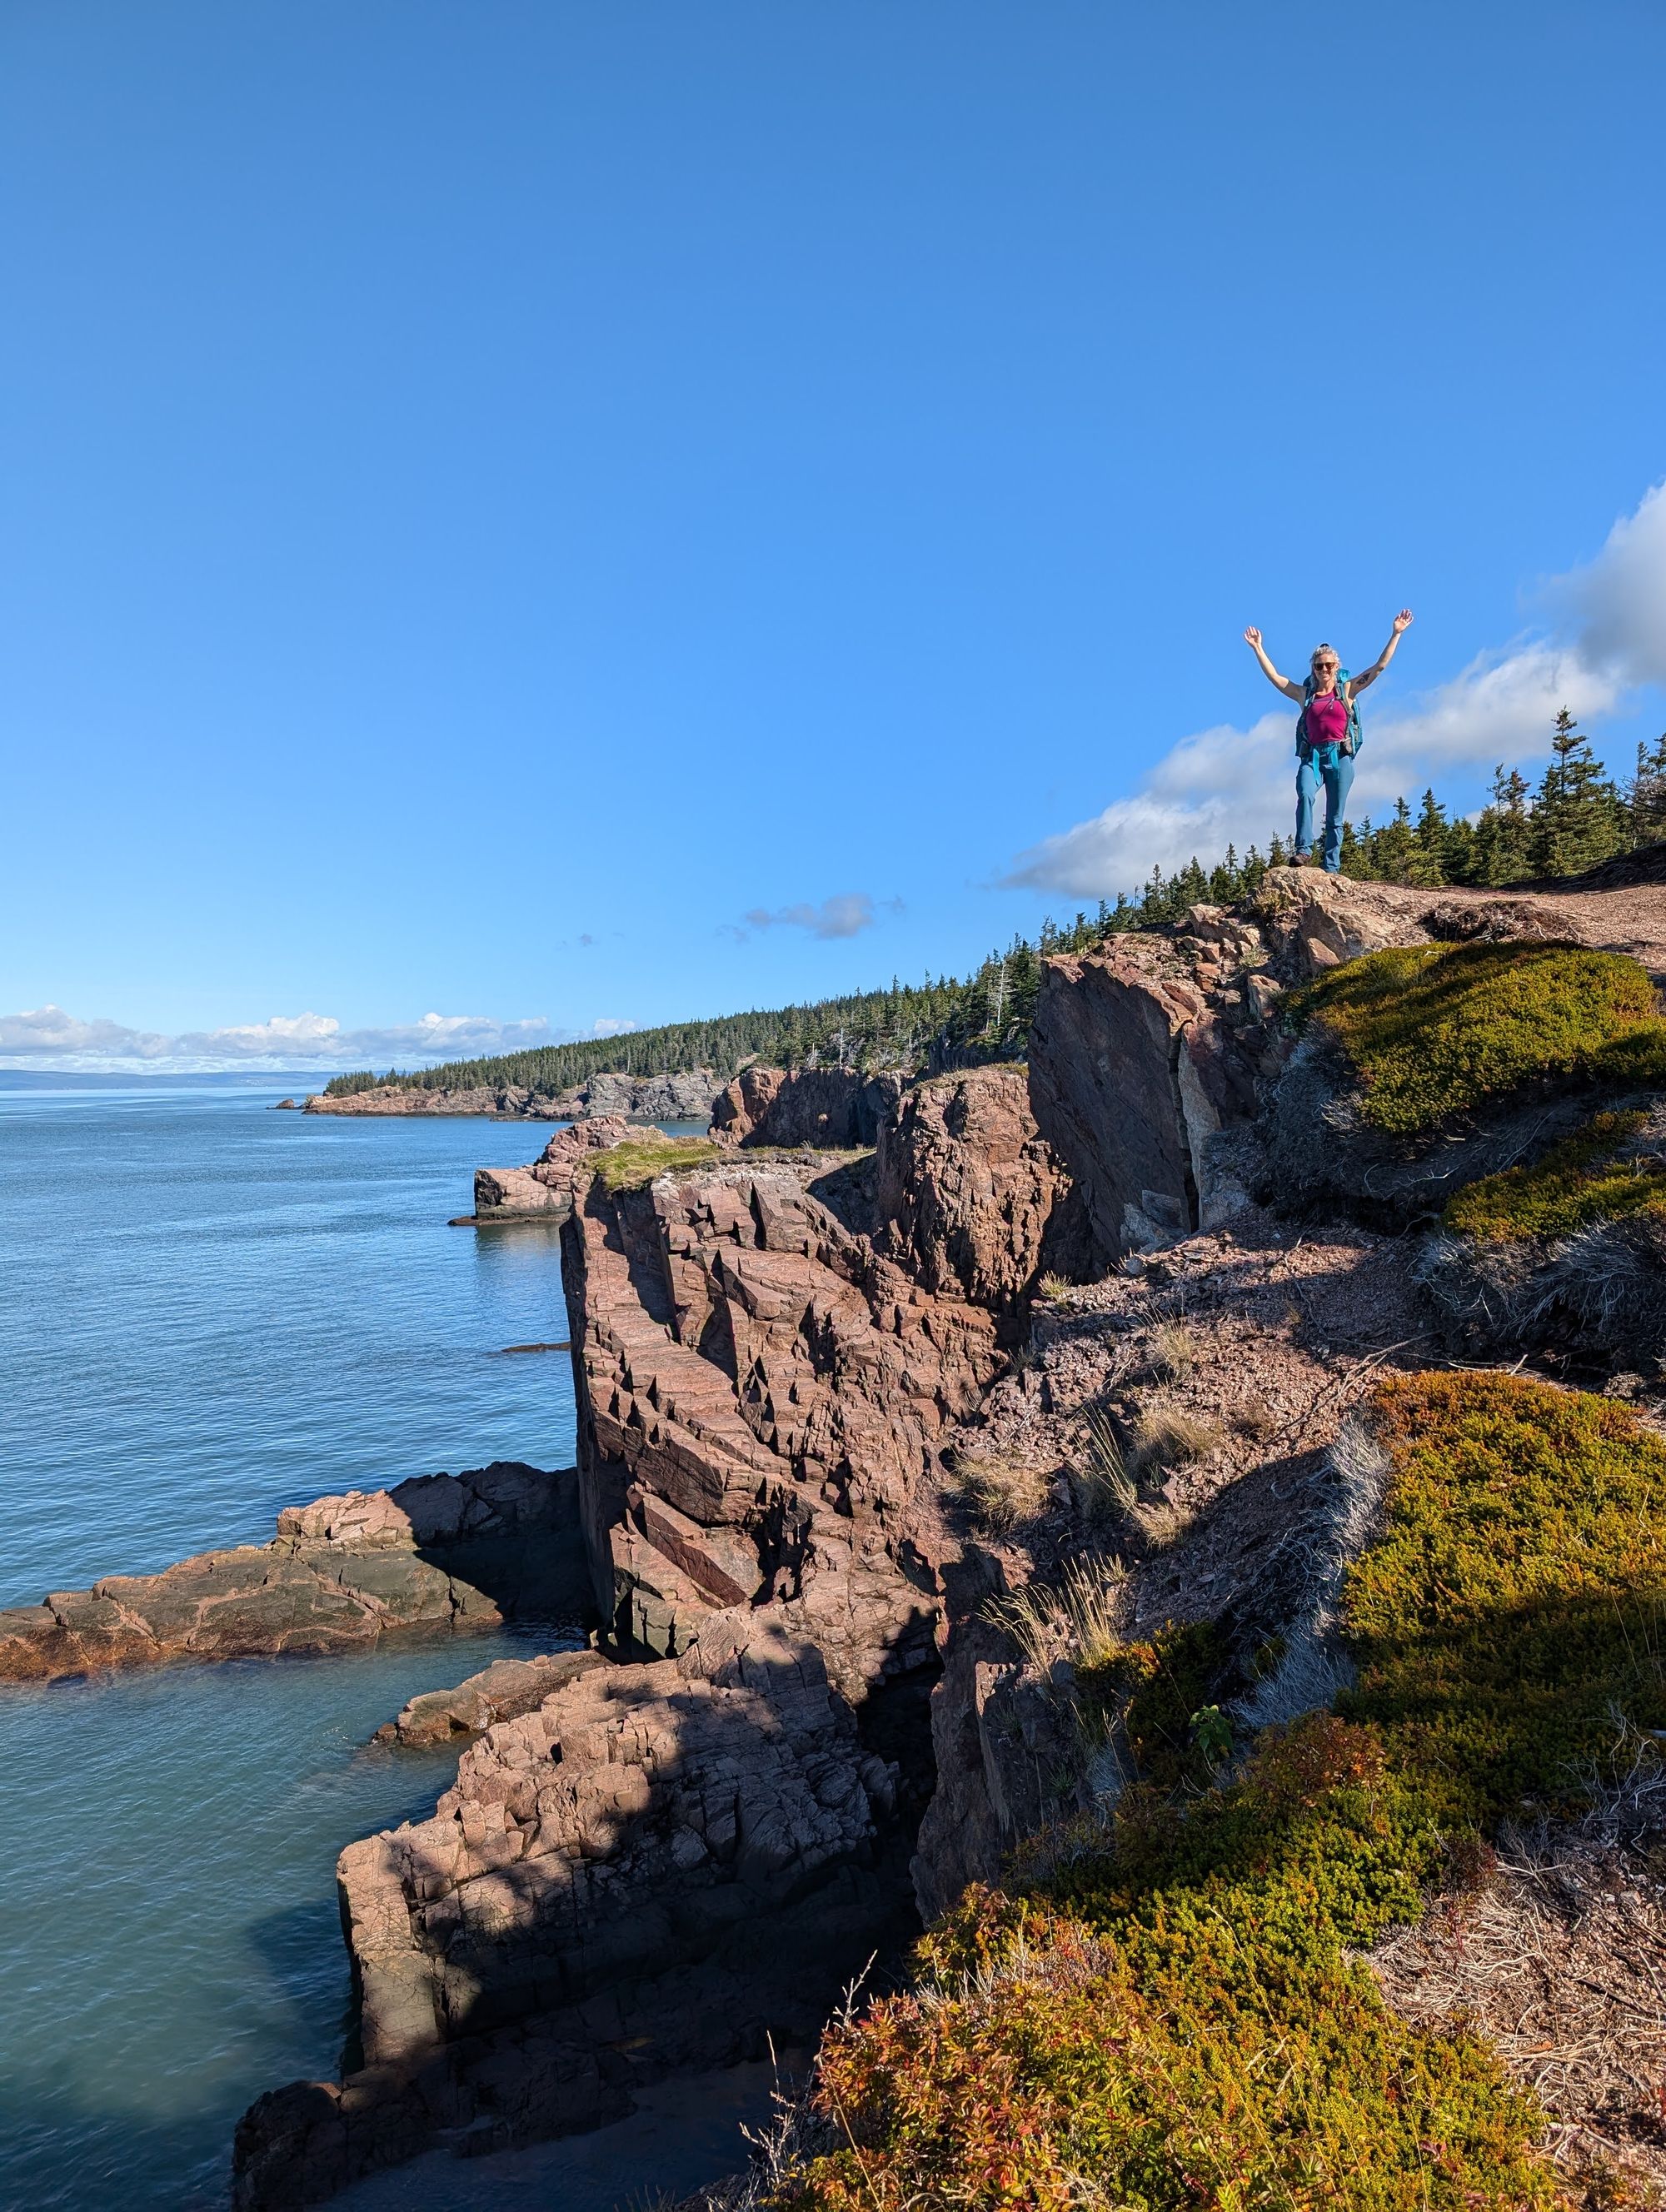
208	1311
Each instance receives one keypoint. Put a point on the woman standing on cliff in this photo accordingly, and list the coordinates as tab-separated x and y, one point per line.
1327	734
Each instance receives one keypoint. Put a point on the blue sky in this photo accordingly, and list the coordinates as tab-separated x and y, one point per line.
557	516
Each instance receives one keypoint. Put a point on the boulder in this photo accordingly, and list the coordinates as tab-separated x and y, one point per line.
1105	1086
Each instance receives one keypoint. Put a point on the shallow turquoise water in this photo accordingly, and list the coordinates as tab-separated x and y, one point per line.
208	1311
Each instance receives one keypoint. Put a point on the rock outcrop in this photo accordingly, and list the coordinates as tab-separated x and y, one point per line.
835	1109
502	1692
687	1096
1312	922
971	1198
543	1192
664	1864
438	1554
1143	1056
760	1392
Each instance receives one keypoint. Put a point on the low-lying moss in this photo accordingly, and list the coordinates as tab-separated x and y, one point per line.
1517	1595
1168	2013
638	1160
1582	1180
1435	1029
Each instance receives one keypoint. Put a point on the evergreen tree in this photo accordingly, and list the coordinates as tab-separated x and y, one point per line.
1504	834
1578	818
1426	864
1458	855
1364	862
1394	848
1646	795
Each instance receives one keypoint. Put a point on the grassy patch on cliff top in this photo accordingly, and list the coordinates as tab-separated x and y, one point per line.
1518	1596
1166	2013
1582	1180
1435	1029
639	1160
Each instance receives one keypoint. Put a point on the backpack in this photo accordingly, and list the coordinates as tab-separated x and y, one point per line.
1326	751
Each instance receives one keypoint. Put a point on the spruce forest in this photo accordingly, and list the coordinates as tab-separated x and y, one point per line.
1576	819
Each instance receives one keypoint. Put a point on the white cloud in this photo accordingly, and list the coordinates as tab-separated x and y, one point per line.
1618	602
49	1033
48	1037
842	916
612	1025
1231	785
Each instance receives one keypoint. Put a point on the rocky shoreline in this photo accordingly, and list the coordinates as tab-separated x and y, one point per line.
681	1098
440	1554
844	1382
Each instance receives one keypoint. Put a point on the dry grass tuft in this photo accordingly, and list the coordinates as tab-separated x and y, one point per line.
1257	1420
1170	1435
1109	1493
1556	1958
1054	1289
1173	1350
1000	1494
1075	1620
1103	1486
1162	1522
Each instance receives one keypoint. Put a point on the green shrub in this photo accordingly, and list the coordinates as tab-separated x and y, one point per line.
1434	1030
638	1160
1515	1599
1167	2014
1579	1181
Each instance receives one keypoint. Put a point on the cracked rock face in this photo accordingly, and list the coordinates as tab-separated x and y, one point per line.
1110	1032
760	1392
671	1860
973	1201
833	1107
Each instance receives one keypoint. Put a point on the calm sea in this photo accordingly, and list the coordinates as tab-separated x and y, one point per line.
208	1311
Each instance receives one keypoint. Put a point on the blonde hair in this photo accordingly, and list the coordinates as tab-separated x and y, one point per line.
1312	657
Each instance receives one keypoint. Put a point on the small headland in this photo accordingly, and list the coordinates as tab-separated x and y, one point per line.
676	1098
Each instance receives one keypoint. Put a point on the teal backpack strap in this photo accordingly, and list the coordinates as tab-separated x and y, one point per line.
1355	738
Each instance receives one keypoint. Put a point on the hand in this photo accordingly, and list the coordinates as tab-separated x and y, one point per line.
1402	621
1252	637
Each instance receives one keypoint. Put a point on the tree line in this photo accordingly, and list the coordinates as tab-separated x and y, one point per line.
1575	819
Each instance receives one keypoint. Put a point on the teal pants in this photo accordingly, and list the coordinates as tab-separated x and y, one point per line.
1336	775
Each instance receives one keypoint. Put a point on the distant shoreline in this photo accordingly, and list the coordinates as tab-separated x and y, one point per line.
299	1080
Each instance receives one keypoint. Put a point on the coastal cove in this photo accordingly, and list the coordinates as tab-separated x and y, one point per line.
209	1311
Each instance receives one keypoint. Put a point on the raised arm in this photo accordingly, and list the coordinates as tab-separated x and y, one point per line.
1252	638
1403	623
